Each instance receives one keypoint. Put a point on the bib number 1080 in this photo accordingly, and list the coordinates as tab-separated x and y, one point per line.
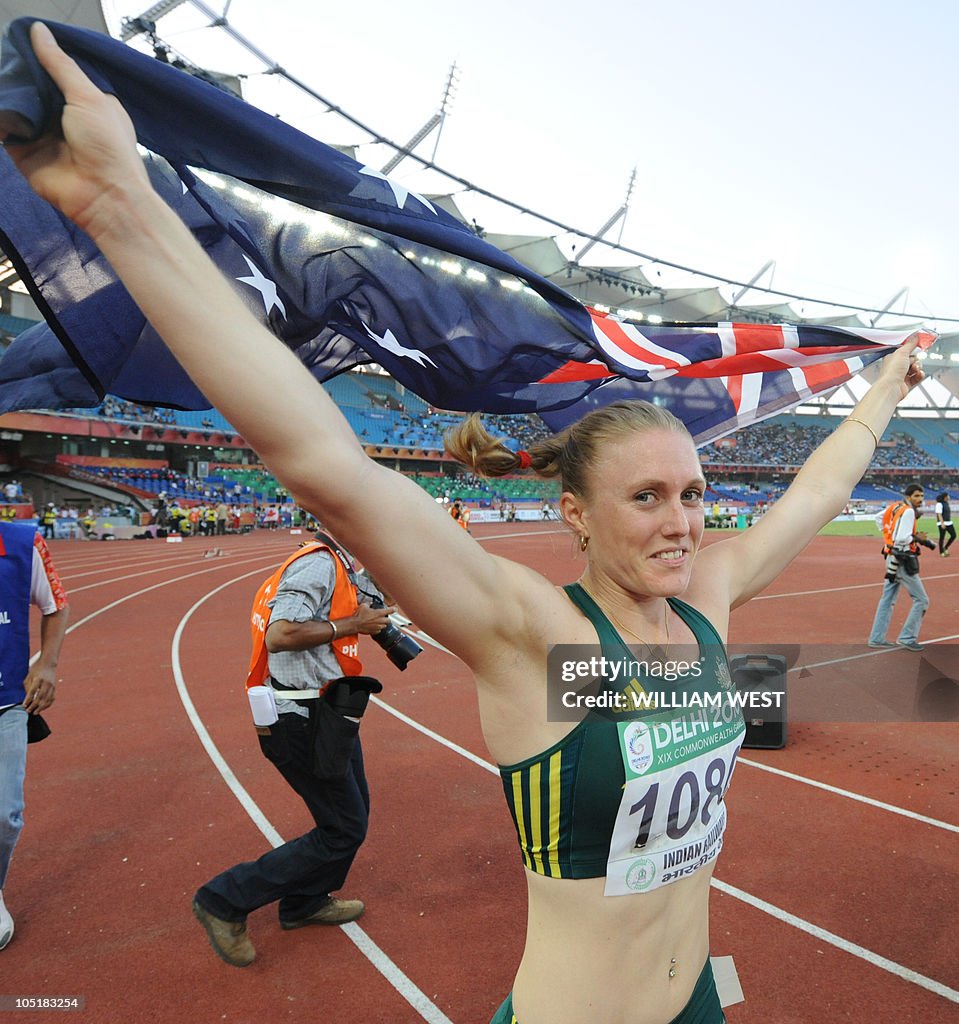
700	802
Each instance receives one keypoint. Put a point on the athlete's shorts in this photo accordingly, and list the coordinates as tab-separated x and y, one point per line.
703	1006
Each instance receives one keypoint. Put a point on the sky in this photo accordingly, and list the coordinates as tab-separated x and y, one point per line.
816	134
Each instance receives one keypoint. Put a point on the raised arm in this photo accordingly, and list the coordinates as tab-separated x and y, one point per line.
94	175
749	562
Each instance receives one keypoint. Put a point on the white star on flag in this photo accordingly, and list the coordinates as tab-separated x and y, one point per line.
391	345
264	286
400	194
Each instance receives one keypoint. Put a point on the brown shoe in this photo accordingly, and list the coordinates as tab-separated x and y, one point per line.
334	912
229	939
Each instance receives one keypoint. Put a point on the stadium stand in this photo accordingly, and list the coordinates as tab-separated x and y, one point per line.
198	457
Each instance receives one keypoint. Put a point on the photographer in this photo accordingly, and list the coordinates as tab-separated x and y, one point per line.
305	623
901	542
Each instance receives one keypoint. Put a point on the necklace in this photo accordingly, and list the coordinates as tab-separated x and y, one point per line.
636	636
626	629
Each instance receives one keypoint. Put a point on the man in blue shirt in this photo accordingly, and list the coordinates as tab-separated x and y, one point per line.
27	576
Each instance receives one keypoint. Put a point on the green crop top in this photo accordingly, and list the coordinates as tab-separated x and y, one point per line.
569	804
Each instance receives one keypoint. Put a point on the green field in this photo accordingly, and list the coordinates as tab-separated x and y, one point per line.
864	528
867	528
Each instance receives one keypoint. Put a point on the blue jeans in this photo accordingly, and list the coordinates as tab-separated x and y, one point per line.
13	763
890	592
300	874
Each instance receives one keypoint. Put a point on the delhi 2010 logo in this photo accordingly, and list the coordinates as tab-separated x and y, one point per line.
639	747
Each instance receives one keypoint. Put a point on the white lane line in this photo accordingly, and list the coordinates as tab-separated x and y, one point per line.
870	957
267	556
859	798
815	783
524	533
427	1007
860	951
428	1010
435	736
867	654
891	808
186	558
851	586
906	973
145	590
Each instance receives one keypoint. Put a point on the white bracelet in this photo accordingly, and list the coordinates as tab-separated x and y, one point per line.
333	626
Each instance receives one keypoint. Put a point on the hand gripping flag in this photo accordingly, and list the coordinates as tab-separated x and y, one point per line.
348	267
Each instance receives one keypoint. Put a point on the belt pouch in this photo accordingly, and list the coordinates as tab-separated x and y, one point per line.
37	729
332	738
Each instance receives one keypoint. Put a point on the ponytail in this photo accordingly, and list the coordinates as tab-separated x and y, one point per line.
570	454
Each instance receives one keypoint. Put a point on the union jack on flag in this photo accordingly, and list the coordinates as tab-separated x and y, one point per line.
745	372
346	267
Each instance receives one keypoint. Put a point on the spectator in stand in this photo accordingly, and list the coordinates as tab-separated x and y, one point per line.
10	491
772	444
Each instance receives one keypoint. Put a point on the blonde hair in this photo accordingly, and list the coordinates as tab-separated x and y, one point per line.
570	454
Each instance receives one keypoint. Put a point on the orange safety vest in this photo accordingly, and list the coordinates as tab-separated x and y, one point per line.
890	520
343	604
461	515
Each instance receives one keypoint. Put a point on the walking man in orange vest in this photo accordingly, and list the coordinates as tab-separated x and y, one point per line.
305	624
901	543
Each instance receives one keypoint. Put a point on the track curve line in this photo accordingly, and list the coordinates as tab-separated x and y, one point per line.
403	985
870	957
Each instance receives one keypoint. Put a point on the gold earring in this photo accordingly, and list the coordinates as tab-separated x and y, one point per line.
583	542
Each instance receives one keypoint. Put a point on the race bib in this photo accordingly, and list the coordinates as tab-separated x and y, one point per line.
673	813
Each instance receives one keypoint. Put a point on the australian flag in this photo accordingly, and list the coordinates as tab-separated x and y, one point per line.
348	267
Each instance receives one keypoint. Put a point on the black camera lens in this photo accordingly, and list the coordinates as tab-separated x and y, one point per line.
400	648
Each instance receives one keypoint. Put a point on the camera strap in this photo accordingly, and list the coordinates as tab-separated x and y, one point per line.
344	559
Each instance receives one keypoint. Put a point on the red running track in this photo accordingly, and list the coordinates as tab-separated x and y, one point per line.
836	893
